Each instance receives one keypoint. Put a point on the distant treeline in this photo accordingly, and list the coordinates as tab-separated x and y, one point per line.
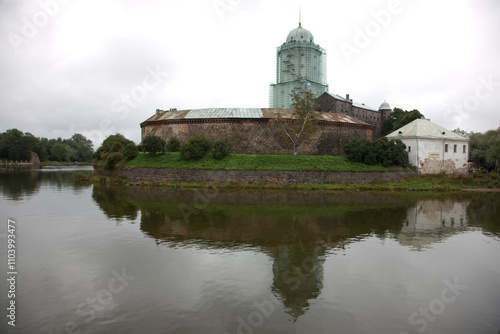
16	146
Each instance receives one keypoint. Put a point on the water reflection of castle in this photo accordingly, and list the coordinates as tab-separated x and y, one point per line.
298	231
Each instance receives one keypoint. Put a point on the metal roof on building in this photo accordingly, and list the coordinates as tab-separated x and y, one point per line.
363	106
244	113
425	129
355	104
338	97
225	113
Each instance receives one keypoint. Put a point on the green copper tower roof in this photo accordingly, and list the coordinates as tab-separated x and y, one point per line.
300	35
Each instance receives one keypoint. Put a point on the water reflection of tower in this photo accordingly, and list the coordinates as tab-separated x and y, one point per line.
298	265
297	276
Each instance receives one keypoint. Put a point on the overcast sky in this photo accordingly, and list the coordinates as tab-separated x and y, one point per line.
98	67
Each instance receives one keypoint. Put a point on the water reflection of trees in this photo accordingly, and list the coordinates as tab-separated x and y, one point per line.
25	182
113	204
16	185
297	230
484	211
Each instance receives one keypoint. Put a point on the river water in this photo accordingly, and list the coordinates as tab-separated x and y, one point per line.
110	259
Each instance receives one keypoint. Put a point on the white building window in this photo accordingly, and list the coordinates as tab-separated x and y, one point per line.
465	148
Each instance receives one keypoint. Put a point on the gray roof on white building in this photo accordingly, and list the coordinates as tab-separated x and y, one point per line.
425	129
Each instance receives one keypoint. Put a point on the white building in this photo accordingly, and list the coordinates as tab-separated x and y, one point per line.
432	148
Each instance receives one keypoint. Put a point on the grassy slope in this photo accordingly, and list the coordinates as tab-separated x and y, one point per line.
255	162
304	162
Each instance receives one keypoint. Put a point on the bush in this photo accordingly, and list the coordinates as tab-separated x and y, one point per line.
222	148
153	144
195	148
130	151
113	143
173	145
112	160
116	147
380	152
356	150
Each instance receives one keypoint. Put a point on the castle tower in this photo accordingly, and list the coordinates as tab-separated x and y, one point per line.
385	109
301	66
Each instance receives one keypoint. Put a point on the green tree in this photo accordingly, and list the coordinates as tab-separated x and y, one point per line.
112	160
173	144
399	118
107	146
11	145
222	148
493	152
195	148
153	144
380	152
301	126
130	151
83	148
60	152
484	148
16	145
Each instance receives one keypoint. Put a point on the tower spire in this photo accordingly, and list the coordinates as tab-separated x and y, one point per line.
300	17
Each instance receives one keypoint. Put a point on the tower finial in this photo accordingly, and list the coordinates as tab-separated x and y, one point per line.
300	17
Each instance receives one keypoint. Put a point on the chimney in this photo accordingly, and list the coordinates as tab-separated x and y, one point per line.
347	97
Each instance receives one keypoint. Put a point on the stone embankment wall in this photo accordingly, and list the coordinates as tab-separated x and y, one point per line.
252	177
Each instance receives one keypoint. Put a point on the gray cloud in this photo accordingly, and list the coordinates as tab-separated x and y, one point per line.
76	71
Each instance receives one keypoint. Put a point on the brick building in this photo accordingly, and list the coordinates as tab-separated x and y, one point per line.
333	103
249	132
301	67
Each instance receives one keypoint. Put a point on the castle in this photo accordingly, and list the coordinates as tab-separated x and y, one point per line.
301	67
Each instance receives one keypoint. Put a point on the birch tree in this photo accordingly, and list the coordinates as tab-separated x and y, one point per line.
300	126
